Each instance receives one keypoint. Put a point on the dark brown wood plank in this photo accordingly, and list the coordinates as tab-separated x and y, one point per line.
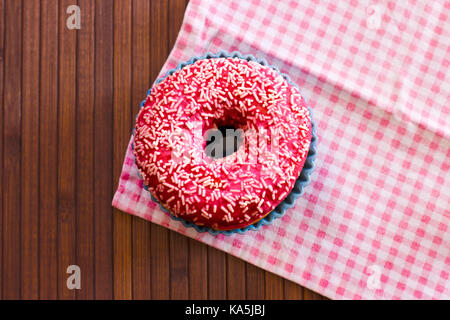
2	68
292	291
121	134
179	249
217	274
103	145
198	270
236	278
30	150
141	259
66	151
160	282
12	151
48	153
274	287
140	85
311	295
179	266
85	148
159	263
255	282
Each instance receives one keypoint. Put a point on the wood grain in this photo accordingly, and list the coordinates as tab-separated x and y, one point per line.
68	104
85	149
103	150
179	267
12	108
122	128
160	262
140	84
274	287
198	270
236	278
30	148
256	282
217	274
292	291
311	295
2	68
48	152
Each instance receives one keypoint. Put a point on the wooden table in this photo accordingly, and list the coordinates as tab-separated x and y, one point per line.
69	98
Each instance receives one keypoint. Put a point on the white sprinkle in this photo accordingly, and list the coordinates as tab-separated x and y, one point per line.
225	210
170	199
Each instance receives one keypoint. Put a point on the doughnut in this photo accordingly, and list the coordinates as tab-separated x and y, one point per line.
236	190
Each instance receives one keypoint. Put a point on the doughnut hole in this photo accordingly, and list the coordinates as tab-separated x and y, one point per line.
223	141
224	135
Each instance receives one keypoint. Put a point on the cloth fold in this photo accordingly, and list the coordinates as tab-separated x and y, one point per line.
374	222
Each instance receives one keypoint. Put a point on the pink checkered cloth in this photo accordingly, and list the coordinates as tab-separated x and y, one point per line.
375	221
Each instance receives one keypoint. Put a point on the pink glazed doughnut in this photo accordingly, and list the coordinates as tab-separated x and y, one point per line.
237	190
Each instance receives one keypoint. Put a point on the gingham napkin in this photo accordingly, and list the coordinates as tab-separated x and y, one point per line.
375	220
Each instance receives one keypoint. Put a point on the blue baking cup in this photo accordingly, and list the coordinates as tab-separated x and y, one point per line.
301	181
